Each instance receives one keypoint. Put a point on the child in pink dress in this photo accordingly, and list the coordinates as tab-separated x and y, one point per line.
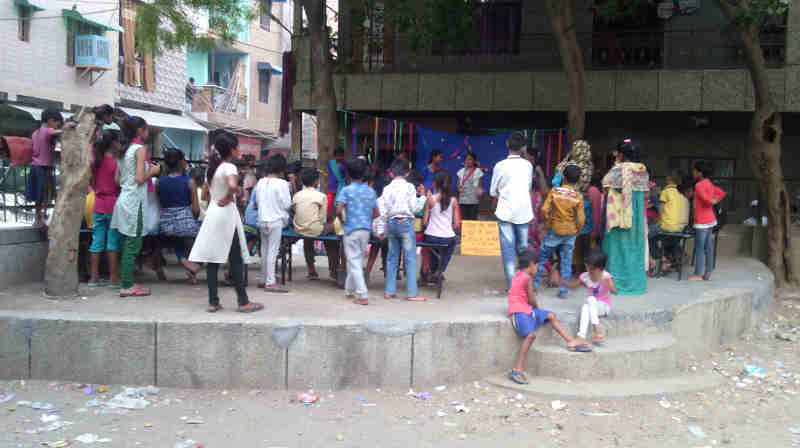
600	285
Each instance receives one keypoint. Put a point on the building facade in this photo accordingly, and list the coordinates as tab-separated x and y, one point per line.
674	79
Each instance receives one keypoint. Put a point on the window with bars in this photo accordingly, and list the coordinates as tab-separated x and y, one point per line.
266	8
24	21
264	77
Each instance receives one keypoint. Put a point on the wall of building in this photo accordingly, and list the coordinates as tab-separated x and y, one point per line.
170	76
197	67
38	68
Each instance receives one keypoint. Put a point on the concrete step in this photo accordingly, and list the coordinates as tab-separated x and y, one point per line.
610	389
641	356
615	325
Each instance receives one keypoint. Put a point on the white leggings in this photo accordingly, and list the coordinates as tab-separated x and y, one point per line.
591	311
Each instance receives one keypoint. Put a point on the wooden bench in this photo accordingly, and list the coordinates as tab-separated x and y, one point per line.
289	237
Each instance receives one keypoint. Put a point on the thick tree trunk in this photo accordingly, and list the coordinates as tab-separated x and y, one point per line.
562	23
764	148
324	95
61	270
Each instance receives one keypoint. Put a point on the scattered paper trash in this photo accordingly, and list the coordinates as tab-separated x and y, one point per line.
441	414
89	389
189	443
440	388
307	398
91	438
7	397
41	406
137	391
340	438
123	401
599	414
697	431
665	404
794	430
93	403
194	421
558	405
461	409
48	418
754	371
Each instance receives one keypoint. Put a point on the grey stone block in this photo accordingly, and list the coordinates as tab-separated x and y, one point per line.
341	357
793	47
550	91
400	92
22	262
474	91
117	352
363	92
637	90
455	352
14	348
723	90
513	91
600	90
211	354
793	89
437	91
680	90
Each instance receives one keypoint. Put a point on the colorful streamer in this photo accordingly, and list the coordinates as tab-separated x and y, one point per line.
355	135
560	143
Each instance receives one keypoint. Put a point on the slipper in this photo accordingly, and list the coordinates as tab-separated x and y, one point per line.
114	287
97	284
583	348
312	276
517	376
361	302
416	299
389	296
136	291
276	288
251	307
214	308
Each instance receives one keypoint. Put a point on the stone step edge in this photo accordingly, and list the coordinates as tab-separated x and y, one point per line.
610	389
615	345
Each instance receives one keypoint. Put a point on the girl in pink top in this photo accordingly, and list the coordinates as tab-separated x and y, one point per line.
105	182
600	285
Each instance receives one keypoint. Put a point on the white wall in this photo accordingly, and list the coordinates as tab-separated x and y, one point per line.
38	68
170	75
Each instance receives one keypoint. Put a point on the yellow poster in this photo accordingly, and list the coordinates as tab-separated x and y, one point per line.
480	238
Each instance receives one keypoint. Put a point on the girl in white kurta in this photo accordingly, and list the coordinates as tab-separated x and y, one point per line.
221	237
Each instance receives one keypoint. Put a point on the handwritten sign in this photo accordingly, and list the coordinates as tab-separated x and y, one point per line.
480	238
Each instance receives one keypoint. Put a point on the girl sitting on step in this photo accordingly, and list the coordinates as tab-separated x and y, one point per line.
600	285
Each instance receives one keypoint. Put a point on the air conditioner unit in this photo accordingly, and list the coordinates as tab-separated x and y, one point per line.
92	51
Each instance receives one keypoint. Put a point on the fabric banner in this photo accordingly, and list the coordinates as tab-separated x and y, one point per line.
490	149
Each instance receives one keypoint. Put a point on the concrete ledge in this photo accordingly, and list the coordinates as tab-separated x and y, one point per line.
219	355
93	351
15	336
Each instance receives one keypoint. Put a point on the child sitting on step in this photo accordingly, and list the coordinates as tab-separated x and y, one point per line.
600	285
526	316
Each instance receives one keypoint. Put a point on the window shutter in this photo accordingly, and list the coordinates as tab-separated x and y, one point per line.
149	79
129	42
70	48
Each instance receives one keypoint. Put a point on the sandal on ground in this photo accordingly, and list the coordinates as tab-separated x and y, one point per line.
361	302
694	278
251	307
276	289
191	276
312	276
114	286
416	299
517	376
98	284
583	348
214	308
389	296
135	291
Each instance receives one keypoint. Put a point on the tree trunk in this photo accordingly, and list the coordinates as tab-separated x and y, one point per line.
323	95
764	150
562	23
61	270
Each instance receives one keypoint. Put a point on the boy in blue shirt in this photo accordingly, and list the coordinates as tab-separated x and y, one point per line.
356	207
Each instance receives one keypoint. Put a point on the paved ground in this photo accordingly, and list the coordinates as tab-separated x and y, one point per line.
474	290
743	412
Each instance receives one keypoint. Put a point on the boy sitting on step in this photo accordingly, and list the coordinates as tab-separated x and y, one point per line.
526	316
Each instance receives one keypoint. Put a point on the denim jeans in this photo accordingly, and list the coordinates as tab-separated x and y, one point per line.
400	234
565	245
704	251
444	254
513	240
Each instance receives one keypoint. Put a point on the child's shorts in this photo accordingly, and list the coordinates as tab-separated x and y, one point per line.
104	238
525	324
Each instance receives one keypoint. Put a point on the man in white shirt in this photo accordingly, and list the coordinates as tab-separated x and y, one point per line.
511	189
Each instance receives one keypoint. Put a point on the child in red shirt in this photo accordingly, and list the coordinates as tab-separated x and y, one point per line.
706	196
526	316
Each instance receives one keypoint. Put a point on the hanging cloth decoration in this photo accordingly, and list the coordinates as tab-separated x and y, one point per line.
345	129
400	140
388	135
410	139
549	152
560	142
377	123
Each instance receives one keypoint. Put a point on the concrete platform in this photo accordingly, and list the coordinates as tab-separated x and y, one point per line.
313	337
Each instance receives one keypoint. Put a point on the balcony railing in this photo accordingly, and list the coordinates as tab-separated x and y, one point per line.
628	50
218	99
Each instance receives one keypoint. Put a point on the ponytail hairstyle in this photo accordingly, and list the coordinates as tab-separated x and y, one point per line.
130	128
224	145
444	186
102	145
172	159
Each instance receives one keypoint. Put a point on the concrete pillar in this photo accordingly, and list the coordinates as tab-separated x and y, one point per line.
793	36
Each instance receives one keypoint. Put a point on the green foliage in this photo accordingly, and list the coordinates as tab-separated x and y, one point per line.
755	12
610	11
434	21
173	23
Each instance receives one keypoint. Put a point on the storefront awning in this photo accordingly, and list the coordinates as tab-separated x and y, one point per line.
167	121
275	70
71	14
36	113
33	4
